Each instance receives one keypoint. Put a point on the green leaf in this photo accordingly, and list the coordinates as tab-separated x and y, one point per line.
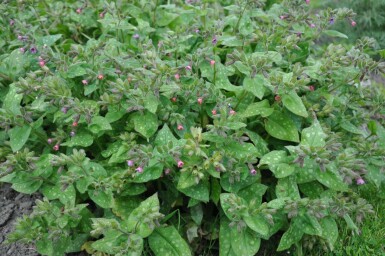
291	236
12	100
331	179
197	213
258	224
233	242
50	40
242	68
99	123
25	183
273	157
125	205
151	103
103	198
294	103
255	85
329	230
348	126
152	172
280	126
136	221
200	192
258	108
334	33
282	170
76	70
287	187
82	138
68	196
313	136
166	241
164	136
19	136
146	124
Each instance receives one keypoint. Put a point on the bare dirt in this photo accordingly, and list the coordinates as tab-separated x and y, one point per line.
12	206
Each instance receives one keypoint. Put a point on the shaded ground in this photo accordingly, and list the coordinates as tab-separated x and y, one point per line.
12	206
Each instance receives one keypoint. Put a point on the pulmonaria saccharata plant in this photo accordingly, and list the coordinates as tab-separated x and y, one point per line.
195	126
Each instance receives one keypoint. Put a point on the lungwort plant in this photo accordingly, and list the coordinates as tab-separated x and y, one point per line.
206	127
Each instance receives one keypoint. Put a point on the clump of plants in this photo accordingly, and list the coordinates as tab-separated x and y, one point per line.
153	128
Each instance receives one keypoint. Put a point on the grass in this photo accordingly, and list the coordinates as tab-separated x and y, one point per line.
371	241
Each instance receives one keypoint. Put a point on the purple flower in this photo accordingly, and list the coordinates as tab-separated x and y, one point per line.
253	172
33	50
188	67
214	40
130	163
64	110
22	50
180	164
19	37
360	181
72	133
136	36
49	141
139	169
11	22
331	21
197	31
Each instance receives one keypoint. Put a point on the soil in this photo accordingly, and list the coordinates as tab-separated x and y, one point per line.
12	206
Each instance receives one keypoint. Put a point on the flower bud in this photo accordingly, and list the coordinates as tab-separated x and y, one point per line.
56	147
130	163
139	169
180	164
50	140
180	127
200	101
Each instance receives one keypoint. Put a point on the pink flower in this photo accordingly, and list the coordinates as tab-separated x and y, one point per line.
74	124
101	15
49	141
136	36
232	112
180	164
311	88
353	23
173	99
130	163
188	67
139	169
84	82
307	1
56	147
79	10
312	25
100	76
177	76
282	17
360	181
212	62
214	112
277	98
167	171
253	172
200	101
64	110
22	50
42	63
180	127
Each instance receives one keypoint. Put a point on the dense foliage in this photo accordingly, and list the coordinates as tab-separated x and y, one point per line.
166	129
